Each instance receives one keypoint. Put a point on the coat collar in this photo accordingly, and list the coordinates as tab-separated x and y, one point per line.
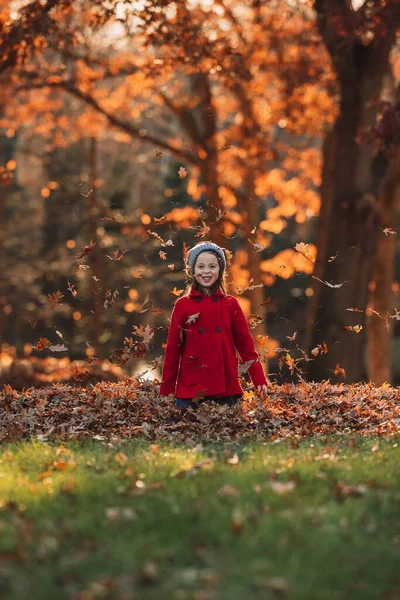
195	293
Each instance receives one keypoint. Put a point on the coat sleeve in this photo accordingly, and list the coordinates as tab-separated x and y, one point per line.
244	343
172	352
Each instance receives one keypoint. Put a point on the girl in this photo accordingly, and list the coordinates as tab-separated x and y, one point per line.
207	326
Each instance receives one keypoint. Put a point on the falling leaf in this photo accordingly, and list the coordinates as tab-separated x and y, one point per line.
146	333
331	285
290	363
85	250
203	230
161	220
267	301
339	371
387	230
58	348
163	255
110	298
42	343
254	320
138	274
354	310
291	338
55	299
71	288
245	367
142	309
262	340
304	249
88	194
192	318
301	247
320	349
158	237
253	287
182	173
356	328
176	292
257	247
118	255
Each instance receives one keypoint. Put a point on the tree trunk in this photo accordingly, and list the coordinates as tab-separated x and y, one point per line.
349	192
3	299
206	135
251	220
381	295
209	174
251	138
326	191
94	256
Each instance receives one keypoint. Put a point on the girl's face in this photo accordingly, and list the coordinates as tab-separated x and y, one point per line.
206	269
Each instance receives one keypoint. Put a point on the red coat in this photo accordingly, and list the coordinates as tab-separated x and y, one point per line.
200	356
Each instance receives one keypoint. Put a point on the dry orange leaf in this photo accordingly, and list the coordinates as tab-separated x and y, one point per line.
339	371
182	172
176	292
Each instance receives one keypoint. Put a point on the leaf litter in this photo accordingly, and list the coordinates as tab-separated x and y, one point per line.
132	408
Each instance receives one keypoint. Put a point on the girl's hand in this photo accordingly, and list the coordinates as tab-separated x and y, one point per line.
262	389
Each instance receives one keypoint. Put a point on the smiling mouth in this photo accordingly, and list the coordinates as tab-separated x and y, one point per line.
206	278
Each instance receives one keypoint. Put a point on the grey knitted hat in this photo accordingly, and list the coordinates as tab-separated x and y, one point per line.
203	247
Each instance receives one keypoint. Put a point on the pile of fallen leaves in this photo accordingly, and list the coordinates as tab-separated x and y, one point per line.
132	407
34	371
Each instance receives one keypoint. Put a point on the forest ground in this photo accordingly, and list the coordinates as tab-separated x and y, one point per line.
111	518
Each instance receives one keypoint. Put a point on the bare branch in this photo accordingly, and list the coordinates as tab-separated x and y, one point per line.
135	132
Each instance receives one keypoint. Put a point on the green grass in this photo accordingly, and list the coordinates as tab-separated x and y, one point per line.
128	520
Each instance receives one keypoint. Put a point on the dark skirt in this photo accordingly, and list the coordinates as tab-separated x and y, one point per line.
226	400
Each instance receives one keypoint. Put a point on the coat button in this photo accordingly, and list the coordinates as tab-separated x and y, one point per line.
215	299
218	329
198	299
201	330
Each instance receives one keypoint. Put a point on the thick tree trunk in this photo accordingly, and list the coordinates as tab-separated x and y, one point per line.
250	129
381	295
204	130
350	193
351	235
